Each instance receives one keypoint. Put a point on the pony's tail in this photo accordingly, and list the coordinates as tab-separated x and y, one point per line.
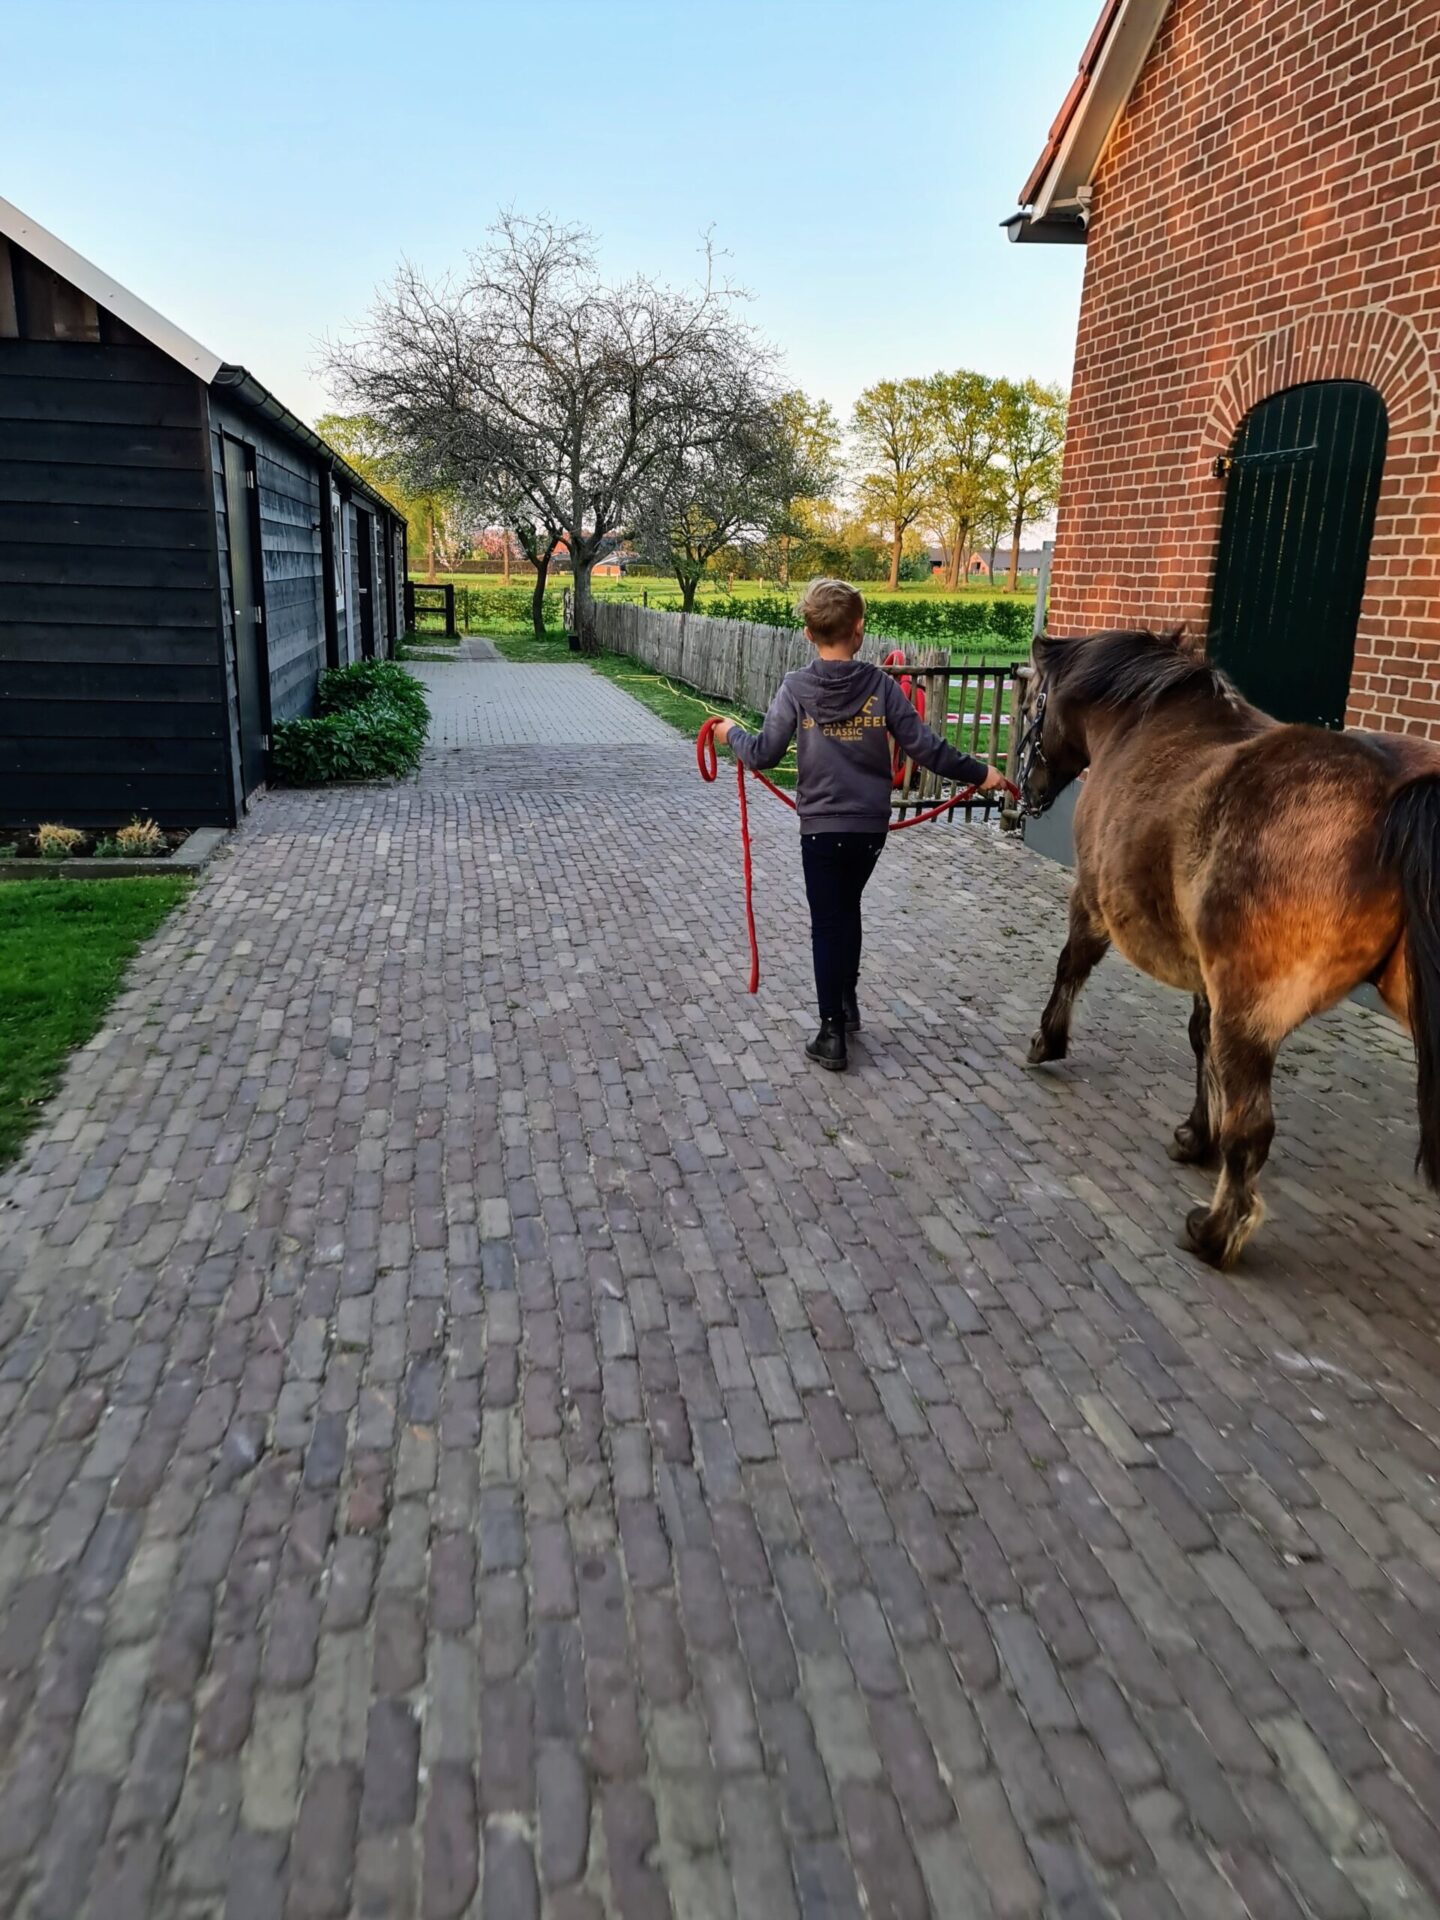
1410	847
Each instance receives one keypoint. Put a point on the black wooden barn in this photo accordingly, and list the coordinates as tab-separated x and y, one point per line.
180	556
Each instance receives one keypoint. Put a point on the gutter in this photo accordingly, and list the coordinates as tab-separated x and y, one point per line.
247	389
1053	231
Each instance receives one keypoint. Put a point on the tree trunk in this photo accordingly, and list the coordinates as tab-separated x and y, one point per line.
430	545
537	598
584	602
505	559
785	560
1015	533
687	591
895	545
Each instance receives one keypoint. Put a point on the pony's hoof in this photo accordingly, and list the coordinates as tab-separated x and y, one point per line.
1043	1050
1209	1242
1192	1149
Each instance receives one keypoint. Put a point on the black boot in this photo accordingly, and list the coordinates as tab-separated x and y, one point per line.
828	1046
852	1012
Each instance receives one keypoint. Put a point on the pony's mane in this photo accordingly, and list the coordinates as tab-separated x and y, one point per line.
1136	668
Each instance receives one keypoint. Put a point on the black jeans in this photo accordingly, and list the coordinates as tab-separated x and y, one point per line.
837	866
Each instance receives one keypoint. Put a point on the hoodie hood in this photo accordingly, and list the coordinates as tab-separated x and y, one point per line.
834	690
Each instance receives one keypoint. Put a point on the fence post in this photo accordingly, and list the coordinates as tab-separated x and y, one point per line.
409	606
1042	588
450	630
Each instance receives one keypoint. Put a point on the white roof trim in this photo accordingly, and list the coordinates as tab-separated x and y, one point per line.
1100	107
108	293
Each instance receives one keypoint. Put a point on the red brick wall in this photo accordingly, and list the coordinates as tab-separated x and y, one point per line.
1265	214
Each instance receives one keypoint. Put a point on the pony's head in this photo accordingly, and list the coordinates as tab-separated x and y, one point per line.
1122	669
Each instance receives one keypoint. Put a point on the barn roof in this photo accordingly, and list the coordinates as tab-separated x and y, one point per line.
180	346
1055	199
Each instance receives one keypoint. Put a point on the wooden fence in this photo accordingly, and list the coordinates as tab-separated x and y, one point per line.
974	707
426	602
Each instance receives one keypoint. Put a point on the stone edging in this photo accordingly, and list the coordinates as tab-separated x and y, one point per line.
191	856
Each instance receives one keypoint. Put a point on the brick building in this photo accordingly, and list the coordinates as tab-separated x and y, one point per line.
1255	185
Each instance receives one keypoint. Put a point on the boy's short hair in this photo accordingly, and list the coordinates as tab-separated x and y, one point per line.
831	609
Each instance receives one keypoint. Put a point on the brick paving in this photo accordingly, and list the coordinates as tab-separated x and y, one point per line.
481	1433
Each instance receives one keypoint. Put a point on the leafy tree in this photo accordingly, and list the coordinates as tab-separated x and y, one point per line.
992	517
1030	439
533	375
807	468
966	409
894	434
436	516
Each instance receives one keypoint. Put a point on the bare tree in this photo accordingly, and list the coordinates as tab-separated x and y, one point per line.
723	483
533	372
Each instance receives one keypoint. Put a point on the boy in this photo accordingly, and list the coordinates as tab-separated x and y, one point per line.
845	711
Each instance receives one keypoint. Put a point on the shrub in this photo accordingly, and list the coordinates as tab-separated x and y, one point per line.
141	840
370	724
58	843
1012	619
344	688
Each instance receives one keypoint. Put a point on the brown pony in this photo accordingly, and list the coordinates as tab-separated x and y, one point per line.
1265	869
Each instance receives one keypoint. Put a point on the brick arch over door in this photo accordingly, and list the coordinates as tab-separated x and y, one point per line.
1346	343
1395	682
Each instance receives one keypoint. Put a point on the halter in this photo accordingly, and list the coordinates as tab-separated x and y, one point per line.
1031	757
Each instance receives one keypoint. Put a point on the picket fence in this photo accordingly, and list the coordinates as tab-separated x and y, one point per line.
730	660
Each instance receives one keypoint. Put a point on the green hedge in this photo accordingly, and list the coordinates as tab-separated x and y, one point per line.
940	621
370	723
511	606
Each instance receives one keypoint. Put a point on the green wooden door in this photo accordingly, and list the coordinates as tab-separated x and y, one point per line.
1301	483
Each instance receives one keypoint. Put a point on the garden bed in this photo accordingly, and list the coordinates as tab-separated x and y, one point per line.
189	851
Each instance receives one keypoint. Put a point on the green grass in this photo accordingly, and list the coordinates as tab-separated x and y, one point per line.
680	706
519	643
64	948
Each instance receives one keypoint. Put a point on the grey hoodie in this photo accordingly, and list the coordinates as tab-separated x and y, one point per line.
846	712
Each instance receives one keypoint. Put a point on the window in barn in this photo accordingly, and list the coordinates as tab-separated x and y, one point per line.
1302	479
36	304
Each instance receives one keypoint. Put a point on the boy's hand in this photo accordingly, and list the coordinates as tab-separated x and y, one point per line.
993	780
722	730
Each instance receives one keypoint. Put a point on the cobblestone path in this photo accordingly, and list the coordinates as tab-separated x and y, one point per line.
484	1431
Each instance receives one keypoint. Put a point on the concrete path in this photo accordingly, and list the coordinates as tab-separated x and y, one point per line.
484	1431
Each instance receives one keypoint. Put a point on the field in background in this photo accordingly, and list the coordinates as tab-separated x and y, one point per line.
977	625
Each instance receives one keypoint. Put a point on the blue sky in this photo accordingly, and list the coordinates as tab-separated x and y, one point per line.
254	171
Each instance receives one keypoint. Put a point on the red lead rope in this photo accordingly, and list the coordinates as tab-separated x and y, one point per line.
708	761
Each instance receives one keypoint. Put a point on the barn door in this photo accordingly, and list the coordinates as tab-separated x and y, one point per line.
365	560
247	603
1302	479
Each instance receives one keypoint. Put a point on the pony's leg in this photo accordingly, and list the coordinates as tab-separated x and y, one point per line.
1081	954
1194	1144
1243	1065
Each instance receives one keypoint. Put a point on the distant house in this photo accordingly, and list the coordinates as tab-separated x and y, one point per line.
615	565
1030	558
180	556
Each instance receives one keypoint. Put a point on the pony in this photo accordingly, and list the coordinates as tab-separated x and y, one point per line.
1265	869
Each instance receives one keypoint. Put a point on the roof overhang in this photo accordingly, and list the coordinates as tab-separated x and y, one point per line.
207	367
107	293
1055	200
